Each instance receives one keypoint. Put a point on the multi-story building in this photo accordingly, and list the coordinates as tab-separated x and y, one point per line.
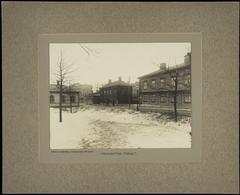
117	92
158	89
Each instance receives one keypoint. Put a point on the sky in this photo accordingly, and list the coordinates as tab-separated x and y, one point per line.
96	63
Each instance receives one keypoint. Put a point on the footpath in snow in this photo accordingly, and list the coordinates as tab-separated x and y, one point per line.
114	127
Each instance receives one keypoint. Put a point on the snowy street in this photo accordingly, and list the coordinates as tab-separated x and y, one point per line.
115	127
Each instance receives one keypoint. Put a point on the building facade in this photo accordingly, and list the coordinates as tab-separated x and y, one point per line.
69	96
158	89
117	92
96	97
85	92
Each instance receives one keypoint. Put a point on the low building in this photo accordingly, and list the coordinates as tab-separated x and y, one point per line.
85	91
69	96
96	97
117	92
157	89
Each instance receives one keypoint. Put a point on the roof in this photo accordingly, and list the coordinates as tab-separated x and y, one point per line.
183	65
81	87
96	94
55	88
116	83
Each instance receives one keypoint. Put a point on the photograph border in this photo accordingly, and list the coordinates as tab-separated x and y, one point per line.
149	155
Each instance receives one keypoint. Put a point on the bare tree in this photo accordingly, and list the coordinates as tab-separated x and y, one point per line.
174	75
70	96
129	92
63	75
174	87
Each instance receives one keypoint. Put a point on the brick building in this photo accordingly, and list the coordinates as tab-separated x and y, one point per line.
117	92
157	89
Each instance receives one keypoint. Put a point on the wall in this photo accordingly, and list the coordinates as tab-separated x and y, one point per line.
184	74
67	99
119	94
219	24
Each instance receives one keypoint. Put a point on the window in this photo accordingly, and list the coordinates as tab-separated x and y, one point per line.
187	80
110	91
72	98
63	99
153	98
173	82
172	99
145	98
145	85
163	99
162	82
187	99
153	84
52	99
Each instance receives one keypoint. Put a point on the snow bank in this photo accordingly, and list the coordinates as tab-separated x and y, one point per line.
116	127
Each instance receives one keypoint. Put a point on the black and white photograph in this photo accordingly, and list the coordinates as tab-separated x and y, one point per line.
120	95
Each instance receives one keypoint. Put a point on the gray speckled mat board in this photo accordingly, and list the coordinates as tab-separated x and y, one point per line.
46	155
216	171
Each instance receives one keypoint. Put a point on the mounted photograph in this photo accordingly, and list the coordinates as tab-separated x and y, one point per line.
120	95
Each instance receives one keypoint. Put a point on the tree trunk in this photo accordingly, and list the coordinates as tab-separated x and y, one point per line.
129	97
137	100
60	103
175	97
70	104
70	101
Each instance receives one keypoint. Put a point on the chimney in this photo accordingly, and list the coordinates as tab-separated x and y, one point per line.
163	66
109	81
187	58
120	78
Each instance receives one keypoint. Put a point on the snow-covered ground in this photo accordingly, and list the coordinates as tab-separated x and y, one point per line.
113	127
